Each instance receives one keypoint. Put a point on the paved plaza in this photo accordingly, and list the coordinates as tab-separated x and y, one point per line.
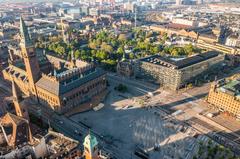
126	125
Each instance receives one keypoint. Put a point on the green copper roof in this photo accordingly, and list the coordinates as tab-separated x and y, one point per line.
90	141
233	85
25	38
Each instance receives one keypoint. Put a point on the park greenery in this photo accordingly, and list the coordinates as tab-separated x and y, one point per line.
121	88
212	150
106	48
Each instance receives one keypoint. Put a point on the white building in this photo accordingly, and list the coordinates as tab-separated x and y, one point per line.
129	6
94	12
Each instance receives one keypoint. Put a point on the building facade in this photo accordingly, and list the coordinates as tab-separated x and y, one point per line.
226	96
125	68
175	74
218	47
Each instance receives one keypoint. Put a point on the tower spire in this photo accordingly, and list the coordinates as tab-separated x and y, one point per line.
25	38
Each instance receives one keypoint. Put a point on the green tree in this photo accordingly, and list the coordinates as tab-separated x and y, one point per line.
131	55
93	53
120	50
85	55
114	42
102	55
60	50
189	49
122	38
174	52
77	54
92	45
121	88
164	37
156	49
107	48
181	51
102	35
109	64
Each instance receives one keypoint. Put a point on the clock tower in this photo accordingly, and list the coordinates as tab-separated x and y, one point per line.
29	56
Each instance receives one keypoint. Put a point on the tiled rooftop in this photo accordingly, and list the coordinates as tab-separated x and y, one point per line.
60	144
59	88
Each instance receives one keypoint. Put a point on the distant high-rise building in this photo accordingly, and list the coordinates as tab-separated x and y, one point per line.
178	2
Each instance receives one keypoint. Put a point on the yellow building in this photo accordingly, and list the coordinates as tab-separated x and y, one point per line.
218	47
183	30
226	96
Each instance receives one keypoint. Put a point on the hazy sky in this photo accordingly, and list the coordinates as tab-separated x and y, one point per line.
1	1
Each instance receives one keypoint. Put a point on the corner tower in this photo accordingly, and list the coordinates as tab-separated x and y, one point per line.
30	59
90	147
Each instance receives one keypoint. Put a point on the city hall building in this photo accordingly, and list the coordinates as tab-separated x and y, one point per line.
54	82
174	74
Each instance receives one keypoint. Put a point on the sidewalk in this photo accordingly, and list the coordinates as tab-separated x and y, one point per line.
87	106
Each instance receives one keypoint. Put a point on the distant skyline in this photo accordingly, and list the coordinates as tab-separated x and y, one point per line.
19	1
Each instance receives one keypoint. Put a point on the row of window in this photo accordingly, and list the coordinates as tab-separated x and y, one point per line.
226	103
85	90
50	100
